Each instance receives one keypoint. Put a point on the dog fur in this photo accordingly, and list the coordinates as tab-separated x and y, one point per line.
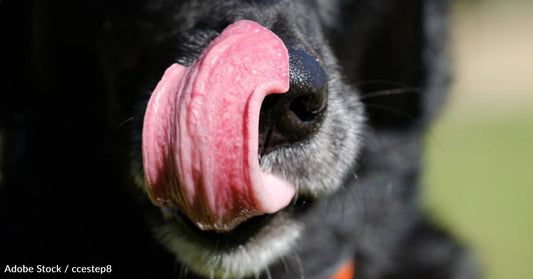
74	88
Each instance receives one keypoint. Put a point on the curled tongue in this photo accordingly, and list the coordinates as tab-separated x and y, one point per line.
200	133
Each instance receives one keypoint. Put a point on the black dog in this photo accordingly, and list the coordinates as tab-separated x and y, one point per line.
366	80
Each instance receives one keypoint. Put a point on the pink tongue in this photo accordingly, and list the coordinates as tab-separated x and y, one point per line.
200	133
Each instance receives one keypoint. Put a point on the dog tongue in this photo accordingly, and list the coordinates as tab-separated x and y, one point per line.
200	133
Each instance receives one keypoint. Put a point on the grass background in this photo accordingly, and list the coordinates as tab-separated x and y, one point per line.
479	156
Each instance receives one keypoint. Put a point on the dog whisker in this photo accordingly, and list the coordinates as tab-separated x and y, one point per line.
285	264
380	82
299	263
389	92
397	112
267	272
184	271
124	122
296	195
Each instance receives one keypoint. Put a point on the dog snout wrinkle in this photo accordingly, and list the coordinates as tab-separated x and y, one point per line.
299	113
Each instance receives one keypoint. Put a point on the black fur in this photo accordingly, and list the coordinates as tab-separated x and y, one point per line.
74	82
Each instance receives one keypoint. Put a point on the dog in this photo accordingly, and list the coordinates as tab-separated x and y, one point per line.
332	153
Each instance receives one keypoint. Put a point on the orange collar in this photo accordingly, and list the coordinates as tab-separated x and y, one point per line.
345	271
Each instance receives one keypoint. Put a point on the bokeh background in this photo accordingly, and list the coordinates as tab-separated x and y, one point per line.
480	153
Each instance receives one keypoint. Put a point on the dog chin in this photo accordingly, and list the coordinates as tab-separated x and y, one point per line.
245	251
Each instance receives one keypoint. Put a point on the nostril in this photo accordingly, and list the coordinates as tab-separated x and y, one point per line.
306	108
307	96
298	114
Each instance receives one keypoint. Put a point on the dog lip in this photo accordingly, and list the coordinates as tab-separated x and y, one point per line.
241	233
233	237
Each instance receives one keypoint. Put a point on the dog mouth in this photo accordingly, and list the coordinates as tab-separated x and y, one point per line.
204	127
200	131
239	253
244	231
231	238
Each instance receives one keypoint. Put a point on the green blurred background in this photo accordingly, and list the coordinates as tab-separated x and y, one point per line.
480	154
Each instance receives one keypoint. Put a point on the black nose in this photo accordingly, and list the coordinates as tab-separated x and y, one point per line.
296	115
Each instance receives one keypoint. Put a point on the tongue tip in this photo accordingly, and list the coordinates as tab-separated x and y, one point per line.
275	194
271	195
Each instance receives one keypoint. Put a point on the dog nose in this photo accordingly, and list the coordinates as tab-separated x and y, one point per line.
298	114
